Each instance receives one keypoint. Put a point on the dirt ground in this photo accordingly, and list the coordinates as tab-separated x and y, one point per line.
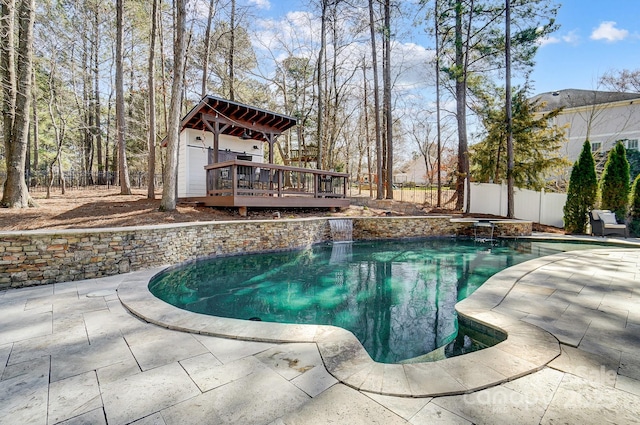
107	208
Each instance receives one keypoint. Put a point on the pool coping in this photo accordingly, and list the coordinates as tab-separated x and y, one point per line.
526	349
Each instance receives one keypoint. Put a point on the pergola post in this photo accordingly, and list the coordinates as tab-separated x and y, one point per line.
271	139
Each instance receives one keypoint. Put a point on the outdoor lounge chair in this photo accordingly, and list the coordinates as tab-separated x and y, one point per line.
603	222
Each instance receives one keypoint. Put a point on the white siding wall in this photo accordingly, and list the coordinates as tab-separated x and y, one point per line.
600	123
194	156
182	185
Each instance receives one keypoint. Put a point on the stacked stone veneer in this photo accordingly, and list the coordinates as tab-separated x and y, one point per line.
41	257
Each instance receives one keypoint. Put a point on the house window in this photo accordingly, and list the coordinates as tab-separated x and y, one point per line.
632	144
595	146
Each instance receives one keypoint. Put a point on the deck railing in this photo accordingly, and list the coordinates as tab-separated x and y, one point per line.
239	178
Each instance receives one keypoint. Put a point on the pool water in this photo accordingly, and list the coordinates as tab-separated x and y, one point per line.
397	297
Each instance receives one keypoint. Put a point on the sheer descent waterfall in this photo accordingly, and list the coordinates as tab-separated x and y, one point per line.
341	230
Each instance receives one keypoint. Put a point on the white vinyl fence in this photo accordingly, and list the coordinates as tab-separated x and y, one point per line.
539	207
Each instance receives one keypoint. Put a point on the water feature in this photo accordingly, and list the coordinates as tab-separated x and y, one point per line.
397	297
341	229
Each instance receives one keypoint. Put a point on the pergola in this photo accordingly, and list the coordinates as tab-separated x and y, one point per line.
221	116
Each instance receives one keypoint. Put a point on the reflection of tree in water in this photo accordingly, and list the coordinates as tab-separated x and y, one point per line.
406	309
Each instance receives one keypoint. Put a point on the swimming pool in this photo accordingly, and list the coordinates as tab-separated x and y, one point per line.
397	297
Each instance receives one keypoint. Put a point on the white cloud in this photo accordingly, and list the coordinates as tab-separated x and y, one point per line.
607	31
293	34
569	38
261	4
549	40
412	63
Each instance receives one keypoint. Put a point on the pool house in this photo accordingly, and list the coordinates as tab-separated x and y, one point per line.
223	161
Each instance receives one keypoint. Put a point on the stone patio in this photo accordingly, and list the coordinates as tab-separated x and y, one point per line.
71	353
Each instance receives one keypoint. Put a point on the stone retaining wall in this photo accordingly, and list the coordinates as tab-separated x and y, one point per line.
42	257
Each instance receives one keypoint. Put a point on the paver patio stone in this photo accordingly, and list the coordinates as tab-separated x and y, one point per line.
73	396
436	415
46	345
82	357
394	380
110	323
626	340
23	396
117	371
342	405
227	350
538	387
471	374
137	396
208	373
93	417
5	351
587	365
495	406
405	407
630	365
258	398
19	326
26	368
429	378
64	287
314	381
627	384
29	292
581	401
149	346
291	360
154	419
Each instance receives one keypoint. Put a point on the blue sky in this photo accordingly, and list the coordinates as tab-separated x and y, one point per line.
595	36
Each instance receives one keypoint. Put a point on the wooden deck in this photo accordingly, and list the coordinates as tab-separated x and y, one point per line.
238	183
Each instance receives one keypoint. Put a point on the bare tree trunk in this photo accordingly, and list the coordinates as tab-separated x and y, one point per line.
101	159
169	196
387	96
35	126
16	88
207	48
376	102
319	80
439	127
86	108
232	48
461	104
151	187
366	127
510	161
162	70
58	124
125	186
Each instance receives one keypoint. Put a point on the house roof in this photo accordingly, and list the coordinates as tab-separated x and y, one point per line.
238	118
574	98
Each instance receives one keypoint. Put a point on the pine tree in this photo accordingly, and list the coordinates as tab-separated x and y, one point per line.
614	185
581	195
634	218
536	144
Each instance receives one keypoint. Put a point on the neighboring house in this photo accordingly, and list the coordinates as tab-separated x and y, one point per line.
601	117
414	171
